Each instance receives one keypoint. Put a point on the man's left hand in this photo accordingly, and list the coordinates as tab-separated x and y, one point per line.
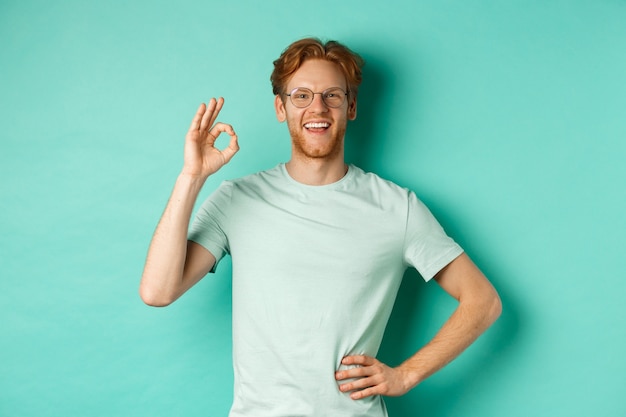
373	378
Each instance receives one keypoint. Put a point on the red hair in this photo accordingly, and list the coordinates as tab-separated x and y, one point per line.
294	56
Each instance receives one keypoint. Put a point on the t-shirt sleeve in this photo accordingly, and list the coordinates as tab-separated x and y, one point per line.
209	226
427	247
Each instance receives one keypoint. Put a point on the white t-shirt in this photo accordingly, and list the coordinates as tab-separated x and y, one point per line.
316	270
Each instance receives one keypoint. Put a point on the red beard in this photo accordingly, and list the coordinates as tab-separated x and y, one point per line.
316	149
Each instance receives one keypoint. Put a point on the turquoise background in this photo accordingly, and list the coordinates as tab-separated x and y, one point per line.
507	119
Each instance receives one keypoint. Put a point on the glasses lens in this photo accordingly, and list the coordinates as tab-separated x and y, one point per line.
301	97
334	97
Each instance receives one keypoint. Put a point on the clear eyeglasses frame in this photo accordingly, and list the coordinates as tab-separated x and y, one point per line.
302	97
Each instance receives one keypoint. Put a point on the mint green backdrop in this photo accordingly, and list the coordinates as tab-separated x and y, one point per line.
507	118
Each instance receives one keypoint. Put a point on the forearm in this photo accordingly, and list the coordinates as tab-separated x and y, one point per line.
466	324
479	306
162	280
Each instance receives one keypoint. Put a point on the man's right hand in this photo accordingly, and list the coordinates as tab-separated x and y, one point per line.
174	265
202	158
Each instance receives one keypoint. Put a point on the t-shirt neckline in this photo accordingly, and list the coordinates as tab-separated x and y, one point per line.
332	185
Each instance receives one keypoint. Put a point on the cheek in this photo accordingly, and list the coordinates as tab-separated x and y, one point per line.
293	116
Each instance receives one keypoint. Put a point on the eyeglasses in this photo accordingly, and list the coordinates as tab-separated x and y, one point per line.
303	97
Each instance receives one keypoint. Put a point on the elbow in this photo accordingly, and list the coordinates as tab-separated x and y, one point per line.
495	308
154	298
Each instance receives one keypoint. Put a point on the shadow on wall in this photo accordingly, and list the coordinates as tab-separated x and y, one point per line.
362	132
421	308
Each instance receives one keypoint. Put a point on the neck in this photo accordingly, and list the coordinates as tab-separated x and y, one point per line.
316	171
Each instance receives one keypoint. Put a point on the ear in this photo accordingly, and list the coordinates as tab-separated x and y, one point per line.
352	109
279	106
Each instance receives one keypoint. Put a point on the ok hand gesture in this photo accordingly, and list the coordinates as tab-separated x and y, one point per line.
202	158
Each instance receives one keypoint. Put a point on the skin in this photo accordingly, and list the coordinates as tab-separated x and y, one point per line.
478	307
317	155
173	265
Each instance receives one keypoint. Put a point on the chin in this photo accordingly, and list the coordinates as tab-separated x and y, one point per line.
327	152
302	147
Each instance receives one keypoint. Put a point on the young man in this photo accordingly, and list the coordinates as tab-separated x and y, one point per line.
319	249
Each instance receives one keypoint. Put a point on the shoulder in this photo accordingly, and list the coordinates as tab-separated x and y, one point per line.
268	175
375	183
371	189
254	180
256	184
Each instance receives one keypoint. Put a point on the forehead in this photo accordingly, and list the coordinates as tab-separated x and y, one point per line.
317	74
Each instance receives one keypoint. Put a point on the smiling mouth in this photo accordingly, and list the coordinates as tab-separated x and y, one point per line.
316	125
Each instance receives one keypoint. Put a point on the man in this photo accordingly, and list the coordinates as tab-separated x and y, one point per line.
319	249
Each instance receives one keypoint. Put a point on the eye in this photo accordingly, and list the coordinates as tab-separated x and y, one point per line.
334	94
301	94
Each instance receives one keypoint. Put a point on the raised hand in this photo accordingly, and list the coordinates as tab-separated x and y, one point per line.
202	158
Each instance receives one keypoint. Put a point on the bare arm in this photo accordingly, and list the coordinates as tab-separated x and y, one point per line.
174	265
479	306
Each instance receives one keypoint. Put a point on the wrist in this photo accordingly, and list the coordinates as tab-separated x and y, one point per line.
192	177
411	375
190	183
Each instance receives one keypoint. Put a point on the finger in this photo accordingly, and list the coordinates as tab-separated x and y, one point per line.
231	149
358	372
219	128
360	384
363	360
218	107
233	146
208	114
195	122
368	392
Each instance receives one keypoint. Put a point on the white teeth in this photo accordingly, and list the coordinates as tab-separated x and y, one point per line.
316	125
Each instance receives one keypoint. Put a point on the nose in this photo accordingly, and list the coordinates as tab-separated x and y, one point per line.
318	105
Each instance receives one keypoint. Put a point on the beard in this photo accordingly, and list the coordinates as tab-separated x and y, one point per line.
329	149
